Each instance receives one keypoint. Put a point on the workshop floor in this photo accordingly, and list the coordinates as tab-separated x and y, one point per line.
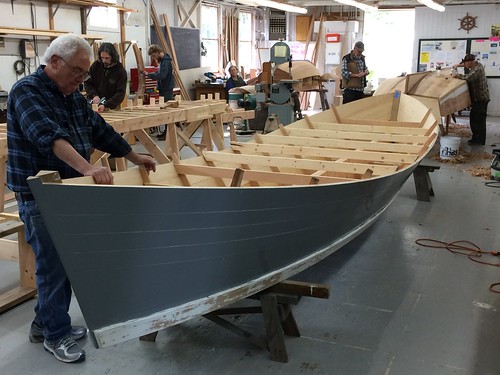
395	307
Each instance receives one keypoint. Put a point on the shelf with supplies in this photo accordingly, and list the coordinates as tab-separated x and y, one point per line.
40	32
134	79
209	88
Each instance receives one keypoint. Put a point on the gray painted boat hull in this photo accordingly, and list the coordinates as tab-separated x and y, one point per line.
144	258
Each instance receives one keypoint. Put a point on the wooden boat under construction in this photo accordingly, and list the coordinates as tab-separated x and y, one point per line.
155	250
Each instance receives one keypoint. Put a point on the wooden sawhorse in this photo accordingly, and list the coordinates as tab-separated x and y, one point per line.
423	184
275	306
21	251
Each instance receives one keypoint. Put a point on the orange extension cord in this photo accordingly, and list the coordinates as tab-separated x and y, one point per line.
462	247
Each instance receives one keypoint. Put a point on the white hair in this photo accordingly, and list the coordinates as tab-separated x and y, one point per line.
66	46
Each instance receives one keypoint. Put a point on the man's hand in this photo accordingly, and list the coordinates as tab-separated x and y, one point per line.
145	160
101	108
96	99
101	175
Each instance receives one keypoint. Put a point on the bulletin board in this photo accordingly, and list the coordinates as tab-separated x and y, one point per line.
448	52
488	53
440	52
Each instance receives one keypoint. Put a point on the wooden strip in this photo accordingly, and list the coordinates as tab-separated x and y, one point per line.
140	66
395	105
337	115
41	32
187	141
237	177
405	124
151	146
280	178
144	175
309	122
424	119
377	137
95	3
341	144
306	164
370	128
15	296
171	42
385	157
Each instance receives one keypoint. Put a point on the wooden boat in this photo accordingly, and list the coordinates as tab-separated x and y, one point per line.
155	250
438	90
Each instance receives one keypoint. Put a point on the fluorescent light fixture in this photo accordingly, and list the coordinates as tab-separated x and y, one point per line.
275	5
431	4
357	4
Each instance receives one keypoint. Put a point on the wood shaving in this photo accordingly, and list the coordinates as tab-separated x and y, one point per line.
480	171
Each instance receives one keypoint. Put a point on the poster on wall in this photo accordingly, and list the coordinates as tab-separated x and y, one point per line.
440	53
487	52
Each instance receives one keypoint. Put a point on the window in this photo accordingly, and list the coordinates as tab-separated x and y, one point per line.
245	32
210	37
103	18
381	41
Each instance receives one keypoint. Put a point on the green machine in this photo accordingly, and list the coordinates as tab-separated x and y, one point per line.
282	104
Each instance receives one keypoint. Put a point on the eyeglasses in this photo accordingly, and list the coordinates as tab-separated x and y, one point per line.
77	72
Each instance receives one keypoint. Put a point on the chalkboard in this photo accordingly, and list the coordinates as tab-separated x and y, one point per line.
187	44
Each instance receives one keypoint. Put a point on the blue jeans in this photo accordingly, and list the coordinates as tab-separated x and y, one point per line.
54	288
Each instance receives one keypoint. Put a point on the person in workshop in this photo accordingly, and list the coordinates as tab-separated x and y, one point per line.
107	84
479	96
234	79
50	126
164	76
354	72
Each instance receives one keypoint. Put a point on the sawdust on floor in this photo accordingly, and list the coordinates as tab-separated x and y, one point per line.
465	157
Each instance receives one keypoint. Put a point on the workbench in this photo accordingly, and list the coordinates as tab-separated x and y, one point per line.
210	115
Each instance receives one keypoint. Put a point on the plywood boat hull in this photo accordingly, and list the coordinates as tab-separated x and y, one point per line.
142	258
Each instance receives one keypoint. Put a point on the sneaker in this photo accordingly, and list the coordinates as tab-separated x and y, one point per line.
36	333
65	349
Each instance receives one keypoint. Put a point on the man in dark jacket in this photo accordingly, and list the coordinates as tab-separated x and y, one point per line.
108	79
354	72
164	75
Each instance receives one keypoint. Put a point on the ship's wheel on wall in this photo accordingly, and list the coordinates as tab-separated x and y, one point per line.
467	22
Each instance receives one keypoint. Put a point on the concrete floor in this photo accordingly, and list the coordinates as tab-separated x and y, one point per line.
395	307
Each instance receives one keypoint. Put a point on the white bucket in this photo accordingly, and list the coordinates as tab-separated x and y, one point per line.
449	147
